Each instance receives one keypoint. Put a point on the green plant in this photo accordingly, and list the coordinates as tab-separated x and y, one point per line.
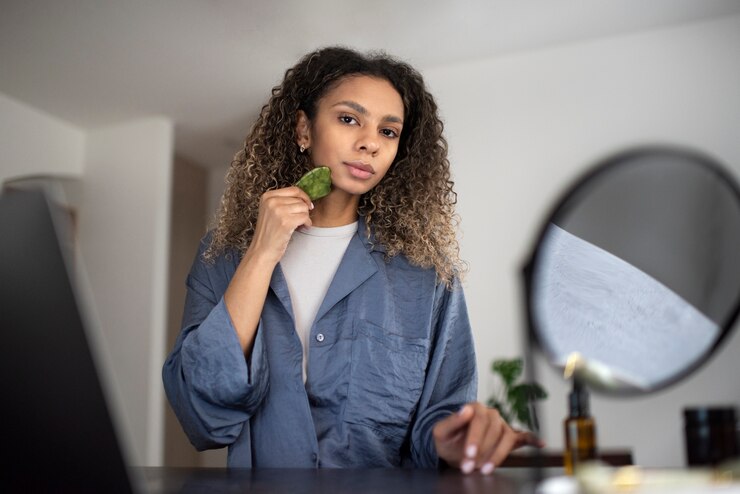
513	401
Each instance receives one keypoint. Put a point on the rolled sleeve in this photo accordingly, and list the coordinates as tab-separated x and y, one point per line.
212	388
214	365
452	376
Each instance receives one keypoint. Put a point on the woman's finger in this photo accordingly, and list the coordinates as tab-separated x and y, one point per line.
477	430
293	191
507	442
450	427
526	438
492	439
287	211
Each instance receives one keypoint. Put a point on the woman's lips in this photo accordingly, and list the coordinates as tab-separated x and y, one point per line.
359	169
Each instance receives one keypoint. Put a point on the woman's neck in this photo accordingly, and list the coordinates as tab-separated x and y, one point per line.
336	209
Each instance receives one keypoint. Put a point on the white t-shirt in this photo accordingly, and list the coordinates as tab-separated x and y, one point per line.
309	264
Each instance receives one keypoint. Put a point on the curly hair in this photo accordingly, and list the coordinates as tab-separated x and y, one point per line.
411	211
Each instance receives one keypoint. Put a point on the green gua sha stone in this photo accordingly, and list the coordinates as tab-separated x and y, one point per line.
316	183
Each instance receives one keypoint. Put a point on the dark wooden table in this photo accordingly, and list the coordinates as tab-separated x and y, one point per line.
554	458
160	480
517	475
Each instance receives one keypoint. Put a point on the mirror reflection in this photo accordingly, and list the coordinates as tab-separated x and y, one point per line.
637	269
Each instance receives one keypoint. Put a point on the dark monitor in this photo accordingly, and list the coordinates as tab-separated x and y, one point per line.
56	433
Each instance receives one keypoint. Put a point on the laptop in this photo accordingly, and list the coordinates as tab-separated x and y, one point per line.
57	434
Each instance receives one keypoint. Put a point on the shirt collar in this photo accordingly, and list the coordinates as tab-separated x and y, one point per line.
368	240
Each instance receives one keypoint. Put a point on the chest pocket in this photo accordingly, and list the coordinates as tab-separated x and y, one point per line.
387	376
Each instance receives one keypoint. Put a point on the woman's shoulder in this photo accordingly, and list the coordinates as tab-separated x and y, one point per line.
214	262
447	274
207	242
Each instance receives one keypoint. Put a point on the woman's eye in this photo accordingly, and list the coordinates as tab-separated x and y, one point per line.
347	119
389	133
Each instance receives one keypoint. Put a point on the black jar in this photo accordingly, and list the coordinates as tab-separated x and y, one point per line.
711	435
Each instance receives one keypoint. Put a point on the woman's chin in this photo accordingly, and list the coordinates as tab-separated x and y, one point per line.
353	189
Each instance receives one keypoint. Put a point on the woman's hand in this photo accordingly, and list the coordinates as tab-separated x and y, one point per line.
281	212
478	438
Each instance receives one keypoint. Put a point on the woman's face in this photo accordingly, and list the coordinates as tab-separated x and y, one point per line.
355	132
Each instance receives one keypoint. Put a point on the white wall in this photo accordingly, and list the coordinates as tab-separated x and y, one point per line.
216	185
124	235
123	176
521	128
33	142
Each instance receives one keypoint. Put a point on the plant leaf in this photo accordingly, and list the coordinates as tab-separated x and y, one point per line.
520	397
508	369
536	392
527	392
521	412
513	403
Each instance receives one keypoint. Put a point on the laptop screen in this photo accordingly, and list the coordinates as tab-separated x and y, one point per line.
57	433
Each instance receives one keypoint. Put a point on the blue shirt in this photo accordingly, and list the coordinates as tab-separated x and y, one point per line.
391	354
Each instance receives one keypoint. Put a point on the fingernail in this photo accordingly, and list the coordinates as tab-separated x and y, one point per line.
312	206
467	466
462	410
471	451
487	468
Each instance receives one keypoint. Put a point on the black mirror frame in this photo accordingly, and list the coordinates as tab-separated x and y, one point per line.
566	200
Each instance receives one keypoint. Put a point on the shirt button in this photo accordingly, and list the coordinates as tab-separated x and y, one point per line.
320	337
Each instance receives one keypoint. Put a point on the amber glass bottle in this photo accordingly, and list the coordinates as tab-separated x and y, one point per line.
580	430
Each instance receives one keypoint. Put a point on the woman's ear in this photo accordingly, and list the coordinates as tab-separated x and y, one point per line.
302	130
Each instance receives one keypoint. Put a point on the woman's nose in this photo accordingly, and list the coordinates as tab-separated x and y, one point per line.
369	142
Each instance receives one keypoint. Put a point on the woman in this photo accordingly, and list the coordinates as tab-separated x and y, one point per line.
335	333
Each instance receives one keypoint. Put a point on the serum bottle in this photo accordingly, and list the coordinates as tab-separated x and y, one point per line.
580	429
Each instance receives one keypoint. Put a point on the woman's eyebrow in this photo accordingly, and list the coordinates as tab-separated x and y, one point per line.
363	111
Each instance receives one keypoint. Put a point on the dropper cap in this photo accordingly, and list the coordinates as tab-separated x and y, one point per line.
578	399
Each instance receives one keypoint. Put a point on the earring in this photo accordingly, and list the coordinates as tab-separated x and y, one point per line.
302	148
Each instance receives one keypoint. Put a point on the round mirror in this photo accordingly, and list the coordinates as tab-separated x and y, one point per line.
636	273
